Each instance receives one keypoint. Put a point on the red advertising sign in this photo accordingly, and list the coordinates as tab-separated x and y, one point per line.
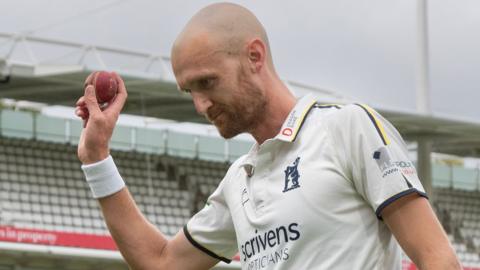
53	238
92	241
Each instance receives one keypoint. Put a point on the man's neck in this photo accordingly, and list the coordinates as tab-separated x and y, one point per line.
280	102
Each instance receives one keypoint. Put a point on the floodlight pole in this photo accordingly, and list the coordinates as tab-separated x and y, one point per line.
424	148
422	78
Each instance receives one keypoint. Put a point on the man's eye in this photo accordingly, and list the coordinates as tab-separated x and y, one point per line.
205	83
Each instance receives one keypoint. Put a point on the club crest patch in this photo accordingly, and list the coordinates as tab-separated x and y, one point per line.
292	176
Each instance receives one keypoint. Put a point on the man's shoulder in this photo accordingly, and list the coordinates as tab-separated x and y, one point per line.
338	119
333	113
339	110
342	113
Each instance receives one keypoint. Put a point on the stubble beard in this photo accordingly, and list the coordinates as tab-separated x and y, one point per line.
243	115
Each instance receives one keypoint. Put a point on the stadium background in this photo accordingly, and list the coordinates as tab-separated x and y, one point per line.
170	158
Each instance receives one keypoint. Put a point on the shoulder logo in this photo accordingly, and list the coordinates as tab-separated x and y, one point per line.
292	176
382	158
388	167
384	162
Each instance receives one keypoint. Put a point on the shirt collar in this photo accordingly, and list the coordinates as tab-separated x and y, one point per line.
289	131
295	119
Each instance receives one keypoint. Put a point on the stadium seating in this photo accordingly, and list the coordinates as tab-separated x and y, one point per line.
42	187
459	211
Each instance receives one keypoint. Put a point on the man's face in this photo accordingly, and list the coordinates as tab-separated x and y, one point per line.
222	89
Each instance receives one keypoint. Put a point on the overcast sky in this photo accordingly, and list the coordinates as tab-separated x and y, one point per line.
362	48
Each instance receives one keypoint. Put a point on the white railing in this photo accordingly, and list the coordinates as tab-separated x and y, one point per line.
454	176
34	125
24	50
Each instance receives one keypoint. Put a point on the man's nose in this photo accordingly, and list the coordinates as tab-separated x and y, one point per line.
201	102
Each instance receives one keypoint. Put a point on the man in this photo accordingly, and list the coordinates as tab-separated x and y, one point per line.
321	189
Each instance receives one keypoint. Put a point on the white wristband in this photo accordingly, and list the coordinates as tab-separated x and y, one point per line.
103	178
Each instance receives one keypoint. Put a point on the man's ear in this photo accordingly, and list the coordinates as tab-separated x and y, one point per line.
256	51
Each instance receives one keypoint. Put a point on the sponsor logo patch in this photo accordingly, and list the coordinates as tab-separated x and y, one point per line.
287	132
292	119
268	248
387	166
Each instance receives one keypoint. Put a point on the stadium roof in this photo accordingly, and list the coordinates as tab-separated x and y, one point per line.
52	72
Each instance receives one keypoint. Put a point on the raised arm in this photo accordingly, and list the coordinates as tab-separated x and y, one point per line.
142	245
418	231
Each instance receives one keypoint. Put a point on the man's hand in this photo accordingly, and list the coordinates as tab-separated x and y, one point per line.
98	124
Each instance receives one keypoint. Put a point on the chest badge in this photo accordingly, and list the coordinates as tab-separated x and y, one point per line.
292	176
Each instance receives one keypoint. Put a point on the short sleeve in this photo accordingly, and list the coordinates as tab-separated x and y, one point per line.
211	230
375	156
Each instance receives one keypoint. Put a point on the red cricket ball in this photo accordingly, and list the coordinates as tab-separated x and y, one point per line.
105	86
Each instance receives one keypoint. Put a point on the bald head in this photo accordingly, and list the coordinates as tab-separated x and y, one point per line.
225	26
222	59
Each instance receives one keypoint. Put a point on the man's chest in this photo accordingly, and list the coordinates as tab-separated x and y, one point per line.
292	196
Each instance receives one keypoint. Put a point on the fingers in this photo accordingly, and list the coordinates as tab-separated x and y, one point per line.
89	80
87	105
81	109
80	101
119	100
82	112
90	100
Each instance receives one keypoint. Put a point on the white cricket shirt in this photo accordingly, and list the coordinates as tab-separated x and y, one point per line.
311	197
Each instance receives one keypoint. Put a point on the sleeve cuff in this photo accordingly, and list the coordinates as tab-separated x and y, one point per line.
202	248
397	196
